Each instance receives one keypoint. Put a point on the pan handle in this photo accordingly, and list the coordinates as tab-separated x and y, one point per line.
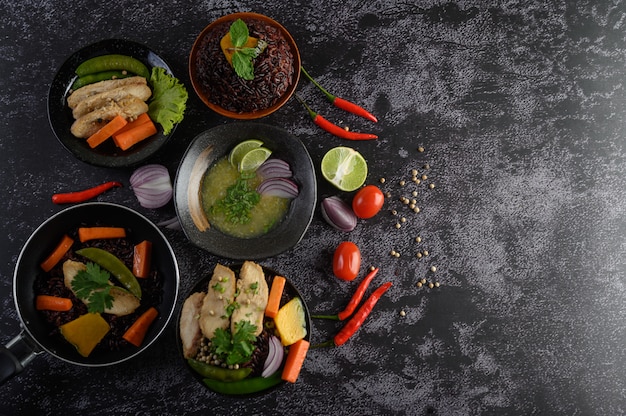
16	355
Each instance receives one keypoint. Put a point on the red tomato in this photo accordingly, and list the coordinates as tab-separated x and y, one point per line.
347	261
368	202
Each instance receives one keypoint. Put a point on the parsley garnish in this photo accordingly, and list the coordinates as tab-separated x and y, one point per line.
242	57
235	348
93	287
238	202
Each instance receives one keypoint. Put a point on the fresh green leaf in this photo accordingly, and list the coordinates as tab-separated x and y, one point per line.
93	287
239	33
235	348
238	202
169	99
243	66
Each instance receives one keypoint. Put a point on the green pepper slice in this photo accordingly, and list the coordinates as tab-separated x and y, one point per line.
115	266
218	373
245	386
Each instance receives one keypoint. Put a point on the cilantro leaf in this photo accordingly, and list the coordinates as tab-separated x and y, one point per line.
235	348
92	287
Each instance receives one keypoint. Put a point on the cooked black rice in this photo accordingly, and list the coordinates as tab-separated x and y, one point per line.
273	70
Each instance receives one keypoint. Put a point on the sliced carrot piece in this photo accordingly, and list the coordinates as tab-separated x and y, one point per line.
133	136
98	233
52	303
141	119
276	293
106	131
295	360
142	259
57	254
137	331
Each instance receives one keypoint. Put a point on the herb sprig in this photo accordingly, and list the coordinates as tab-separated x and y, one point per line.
238	202
236	348
92	286
243	56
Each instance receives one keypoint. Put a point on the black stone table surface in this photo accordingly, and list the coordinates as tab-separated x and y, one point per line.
519	109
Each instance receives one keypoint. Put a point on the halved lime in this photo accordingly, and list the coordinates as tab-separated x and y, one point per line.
345	168
241	149
253	159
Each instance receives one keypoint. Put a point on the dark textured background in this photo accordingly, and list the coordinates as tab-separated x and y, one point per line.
520	107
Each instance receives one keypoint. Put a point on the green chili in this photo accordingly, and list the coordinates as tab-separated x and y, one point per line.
246	386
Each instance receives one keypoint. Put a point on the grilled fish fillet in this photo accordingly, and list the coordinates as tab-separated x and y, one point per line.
251	298
190	334
91	103
220	294
129	108
124	302
92	89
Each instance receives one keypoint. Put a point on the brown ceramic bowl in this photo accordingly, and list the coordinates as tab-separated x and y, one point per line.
219	87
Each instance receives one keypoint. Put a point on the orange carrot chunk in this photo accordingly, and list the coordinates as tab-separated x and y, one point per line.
295	360
142	259
141	119
137	331
57	254
133	136
100	233
276	293
106	131
52	303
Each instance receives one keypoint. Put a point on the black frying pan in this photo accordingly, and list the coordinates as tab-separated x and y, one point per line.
35	337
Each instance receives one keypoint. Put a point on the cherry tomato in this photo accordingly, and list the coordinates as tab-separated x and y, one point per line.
368	201
347	261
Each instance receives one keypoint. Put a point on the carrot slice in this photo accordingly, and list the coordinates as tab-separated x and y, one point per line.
137	331
106	131
52	303
133	136
99	233
141	119
295	360
57	254
142	259
276	293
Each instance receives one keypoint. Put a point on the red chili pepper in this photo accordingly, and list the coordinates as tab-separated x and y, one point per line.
354	302
357	319
335	129
340	102
85	195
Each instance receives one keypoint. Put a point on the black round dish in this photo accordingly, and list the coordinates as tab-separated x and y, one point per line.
290	291
214	144
60	115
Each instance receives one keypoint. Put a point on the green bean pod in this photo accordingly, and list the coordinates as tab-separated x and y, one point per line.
246	386
113	62
99	76
218	373
115	266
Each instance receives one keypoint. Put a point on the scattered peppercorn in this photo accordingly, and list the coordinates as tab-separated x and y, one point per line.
420	149
431	285
402	313
382	180
433	269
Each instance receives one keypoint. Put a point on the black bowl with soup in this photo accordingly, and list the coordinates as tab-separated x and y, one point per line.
205	169
276	69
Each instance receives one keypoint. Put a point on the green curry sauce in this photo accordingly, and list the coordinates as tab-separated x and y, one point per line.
232	205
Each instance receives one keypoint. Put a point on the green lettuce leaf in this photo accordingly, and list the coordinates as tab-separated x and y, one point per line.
169	99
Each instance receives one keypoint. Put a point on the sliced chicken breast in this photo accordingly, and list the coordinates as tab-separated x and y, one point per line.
89	104
129	108
92	89
190	333
252	294
220	295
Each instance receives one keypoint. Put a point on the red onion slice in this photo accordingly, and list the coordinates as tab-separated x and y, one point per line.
275	356
280	187
274	168
338	214
152	186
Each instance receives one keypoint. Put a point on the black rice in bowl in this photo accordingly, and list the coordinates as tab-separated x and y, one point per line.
275	70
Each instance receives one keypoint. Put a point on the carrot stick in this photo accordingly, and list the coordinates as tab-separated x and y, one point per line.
142	258
295	359
57	254
137	331
106	131
133	136
99	233
276	293
141	119
52	303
